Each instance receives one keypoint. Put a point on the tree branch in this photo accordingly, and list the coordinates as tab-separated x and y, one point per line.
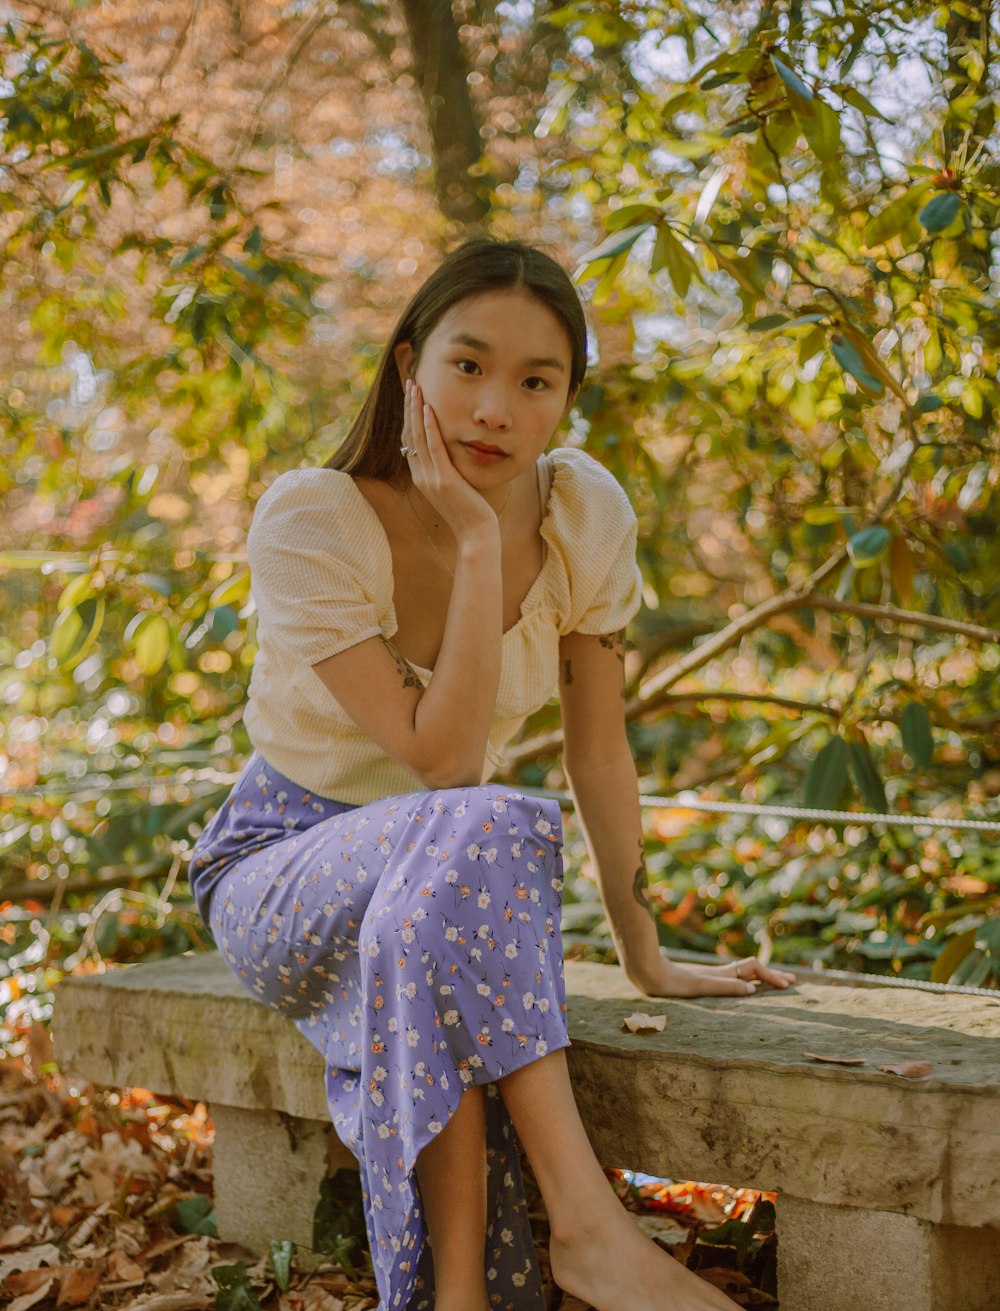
816	601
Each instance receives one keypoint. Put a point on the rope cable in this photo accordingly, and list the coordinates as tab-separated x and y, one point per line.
682	801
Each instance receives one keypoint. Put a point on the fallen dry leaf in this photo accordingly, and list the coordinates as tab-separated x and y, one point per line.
121	1266
15	1236
908	1069
33	1298
835	1060
78	1285
640	1022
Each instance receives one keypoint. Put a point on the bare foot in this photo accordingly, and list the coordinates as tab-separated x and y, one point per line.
614	1265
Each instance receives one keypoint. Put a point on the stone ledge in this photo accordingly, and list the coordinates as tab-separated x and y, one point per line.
725	1092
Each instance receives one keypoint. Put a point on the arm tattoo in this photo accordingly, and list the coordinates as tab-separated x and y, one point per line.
404	670
567	672
616	642
639	885
640	881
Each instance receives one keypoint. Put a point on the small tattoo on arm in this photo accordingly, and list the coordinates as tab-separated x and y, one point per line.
639	886
616	642
567	672
404	669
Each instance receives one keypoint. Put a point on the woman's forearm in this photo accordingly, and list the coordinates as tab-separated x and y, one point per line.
453	717
606	793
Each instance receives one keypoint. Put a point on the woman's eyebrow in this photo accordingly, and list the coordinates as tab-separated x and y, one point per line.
538	362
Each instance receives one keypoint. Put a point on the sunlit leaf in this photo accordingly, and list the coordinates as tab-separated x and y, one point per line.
152	644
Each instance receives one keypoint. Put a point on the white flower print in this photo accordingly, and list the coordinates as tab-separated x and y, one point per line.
451	933
446	990
507	1025
510	951
543	826
412	1036
451	1017
541	1047
483	989
529	1000
483	900
473	850
451	876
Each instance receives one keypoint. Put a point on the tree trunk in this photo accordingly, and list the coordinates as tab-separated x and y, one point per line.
440	69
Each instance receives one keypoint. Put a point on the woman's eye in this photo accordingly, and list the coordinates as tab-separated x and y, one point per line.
541	380
472	362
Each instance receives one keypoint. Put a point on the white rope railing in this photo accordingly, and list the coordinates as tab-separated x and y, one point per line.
184	778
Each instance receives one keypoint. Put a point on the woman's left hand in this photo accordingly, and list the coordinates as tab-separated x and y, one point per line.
737	978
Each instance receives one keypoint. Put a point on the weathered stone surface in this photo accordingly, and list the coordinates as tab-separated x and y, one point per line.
725	1092
835	1258
267	1170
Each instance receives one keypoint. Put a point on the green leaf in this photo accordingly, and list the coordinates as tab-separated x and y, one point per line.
988	937
821	127
280	1260
768	321
868	545
74	591
826	777
866	774
195	1216
668	253
917	733
152	644
854	98
75	632
929	403
631	216
940	211
891	220
823	514
973	971
617	244
232	590
850	360
791	79
235	1288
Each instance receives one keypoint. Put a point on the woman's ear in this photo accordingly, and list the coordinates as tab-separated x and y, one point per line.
404	357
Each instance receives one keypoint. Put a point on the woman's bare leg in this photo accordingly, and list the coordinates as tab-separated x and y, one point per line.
451	1171
597	1251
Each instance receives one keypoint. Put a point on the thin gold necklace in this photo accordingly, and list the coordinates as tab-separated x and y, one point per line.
430	539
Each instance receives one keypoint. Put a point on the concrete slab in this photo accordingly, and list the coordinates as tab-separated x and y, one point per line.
725	1092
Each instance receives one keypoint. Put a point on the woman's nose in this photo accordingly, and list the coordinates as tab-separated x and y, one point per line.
492	408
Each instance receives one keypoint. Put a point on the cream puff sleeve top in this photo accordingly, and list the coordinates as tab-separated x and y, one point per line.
321	578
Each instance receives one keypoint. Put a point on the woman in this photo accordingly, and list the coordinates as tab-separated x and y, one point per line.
418	597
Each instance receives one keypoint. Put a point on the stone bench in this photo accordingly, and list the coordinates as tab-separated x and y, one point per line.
889	1188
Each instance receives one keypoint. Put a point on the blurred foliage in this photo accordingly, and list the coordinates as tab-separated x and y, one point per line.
784	224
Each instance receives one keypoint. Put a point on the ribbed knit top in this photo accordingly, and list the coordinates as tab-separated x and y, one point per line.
321	577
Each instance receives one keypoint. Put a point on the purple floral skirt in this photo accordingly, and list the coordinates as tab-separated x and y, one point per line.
415	942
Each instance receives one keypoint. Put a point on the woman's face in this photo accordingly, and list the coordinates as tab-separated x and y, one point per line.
495	371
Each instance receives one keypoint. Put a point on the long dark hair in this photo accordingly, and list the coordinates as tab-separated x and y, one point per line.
481	264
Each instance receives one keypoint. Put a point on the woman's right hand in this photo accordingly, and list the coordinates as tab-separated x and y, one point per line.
466	512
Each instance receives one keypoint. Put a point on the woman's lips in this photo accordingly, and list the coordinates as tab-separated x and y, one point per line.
484	454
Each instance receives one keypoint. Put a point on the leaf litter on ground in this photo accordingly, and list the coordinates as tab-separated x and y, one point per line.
106	1200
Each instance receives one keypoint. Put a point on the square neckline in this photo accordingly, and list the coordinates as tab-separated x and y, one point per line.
545	477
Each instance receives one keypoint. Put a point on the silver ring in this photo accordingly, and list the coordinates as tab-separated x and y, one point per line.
405	450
